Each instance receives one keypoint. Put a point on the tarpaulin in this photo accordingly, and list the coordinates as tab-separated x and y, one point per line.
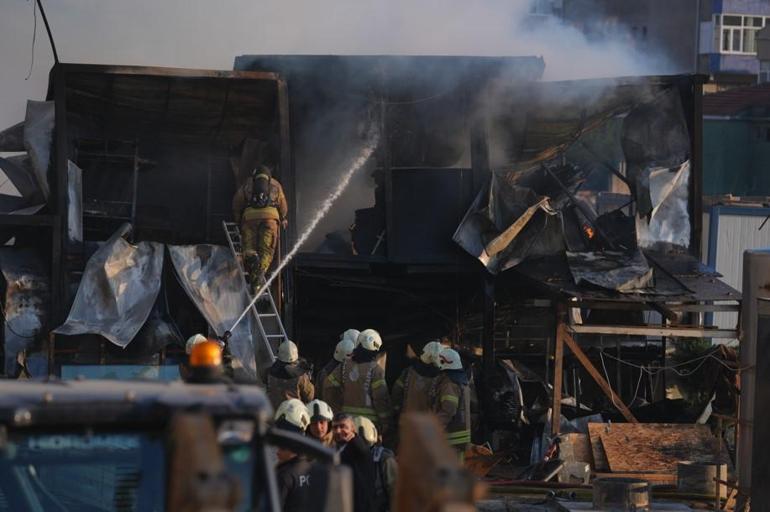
668	221
27	298
118	290
518	215
18	170
12	139
210	276
619	271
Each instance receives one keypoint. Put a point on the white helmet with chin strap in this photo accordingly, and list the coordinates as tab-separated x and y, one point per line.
351	334
287	352
292	413
449	359
430	352
370	340
319	410
343	349
366	429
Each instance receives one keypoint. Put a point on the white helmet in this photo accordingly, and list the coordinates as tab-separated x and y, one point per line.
292	413
366	429
192	341
430	352
319	410
287	352
449	359
370	340
351	334
343	349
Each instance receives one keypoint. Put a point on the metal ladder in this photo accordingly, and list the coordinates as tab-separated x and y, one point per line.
269	322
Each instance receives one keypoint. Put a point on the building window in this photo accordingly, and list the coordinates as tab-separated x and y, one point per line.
737	34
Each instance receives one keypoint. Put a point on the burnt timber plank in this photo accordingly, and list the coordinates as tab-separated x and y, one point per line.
657	447
594	373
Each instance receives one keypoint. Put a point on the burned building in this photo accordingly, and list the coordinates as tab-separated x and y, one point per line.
143	166
512	216
581	193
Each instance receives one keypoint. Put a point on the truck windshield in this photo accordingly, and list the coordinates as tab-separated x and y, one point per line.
94	471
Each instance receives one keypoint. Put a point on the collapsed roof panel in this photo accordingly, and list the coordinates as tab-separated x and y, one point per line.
611	138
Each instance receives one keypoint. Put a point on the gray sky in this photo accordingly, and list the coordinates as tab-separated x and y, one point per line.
210	33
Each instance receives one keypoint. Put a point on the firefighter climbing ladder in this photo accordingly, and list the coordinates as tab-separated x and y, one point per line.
269	322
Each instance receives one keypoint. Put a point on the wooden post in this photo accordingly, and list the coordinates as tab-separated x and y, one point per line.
558	377
594	373
285	282
488	336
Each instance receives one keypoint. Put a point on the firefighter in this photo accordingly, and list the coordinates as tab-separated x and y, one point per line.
293	470
289	377
342	351
361	382
320	427
451	400
411	391
260	207
385	465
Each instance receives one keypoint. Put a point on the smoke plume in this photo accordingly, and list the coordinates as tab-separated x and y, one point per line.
201	33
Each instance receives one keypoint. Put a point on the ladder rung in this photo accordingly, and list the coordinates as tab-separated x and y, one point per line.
267	315
274	335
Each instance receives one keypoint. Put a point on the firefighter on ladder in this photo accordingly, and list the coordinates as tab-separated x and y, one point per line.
259	206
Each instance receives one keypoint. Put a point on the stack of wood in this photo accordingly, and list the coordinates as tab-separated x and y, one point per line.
651	451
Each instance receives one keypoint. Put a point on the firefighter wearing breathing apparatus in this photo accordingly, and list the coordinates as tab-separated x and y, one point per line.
451	400
260	207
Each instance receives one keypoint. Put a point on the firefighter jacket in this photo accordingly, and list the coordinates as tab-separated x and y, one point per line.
289	380
364	390
277	208
412	390
324	372
452	405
